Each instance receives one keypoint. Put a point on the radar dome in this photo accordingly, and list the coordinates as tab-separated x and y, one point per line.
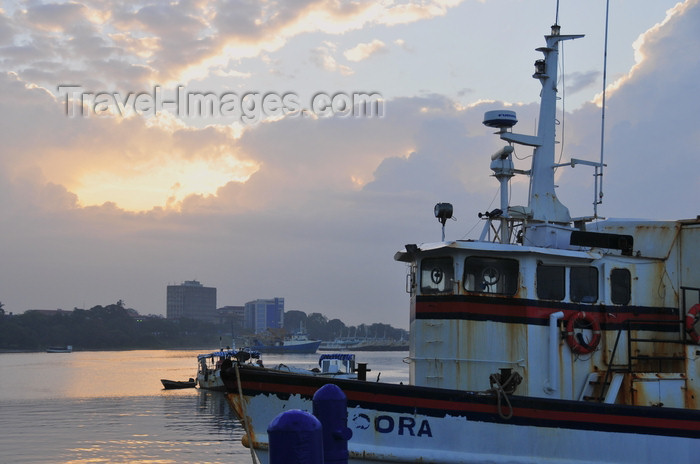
500	119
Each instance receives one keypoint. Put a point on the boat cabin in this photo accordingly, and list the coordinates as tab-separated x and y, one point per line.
478	307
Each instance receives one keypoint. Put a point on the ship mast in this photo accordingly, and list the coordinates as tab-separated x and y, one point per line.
547	213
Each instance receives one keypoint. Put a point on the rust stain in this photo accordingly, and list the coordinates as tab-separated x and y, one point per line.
237	404
250	433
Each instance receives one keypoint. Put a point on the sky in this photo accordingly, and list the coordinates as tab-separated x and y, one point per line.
145	144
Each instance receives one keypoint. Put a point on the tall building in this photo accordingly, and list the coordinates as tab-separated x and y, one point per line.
231	317
192	300
260	315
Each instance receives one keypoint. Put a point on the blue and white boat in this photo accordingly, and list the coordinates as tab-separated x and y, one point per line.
548	340
294	344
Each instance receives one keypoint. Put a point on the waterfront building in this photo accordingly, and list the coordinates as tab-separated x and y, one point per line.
260	315
192	300
231	317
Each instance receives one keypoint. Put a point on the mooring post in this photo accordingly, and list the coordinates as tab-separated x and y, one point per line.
331	409
295	437
362	371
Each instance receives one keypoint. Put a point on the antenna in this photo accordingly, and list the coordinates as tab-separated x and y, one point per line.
599	175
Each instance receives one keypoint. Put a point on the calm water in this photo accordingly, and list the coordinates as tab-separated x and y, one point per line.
110	407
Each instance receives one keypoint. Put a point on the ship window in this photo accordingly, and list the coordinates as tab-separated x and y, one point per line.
550	282
620	286
583	284
491	275
436	275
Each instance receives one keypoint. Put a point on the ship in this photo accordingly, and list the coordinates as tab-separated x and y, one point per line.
274	343
364	344
209	366
60	349
548	339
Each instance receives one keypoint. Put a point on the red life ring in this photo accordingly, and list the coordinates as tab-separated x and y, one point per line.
690	319
580	346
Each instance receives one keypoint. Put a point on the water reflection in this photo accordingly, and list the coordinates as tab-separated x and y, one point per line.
199	427
89	374
110	407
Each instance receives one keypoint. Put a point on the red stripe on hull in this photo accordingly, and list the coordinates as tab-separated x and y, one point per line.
484	310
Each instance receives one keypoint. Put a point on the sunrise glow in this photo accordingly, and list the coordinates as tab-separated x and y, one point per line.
160	185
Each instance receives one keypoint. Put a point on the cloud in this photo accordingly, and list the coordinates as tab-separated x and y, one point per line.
580	81
132	45
363	51
128	160
323	58
402	43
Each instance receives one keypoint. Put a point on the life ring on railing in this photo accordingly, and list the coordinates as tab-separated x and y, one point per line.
690	319
575	340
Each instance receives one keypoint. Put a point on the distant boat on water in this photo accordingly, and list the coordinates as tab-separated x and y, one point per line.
364	344
381	344
60	349
340	344
297	343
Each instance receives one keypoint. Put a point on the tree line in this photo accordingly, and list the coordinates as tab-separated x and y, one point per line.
116	327
319	327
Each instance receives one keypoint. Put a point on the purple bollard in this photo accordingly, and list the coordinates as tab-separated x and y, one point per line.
295	437
331	409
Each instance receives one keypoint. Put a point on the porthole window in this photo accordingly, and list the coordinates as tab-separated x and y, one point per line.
491	275
436	275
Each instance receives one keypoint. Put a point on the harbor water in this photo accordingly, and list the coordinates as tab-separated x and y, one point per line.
110	407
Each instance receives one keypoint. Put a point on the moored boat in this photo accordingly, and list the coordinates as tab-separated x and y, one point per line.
549	339
296	343
339	344
60	349
178	384
381	344
209	366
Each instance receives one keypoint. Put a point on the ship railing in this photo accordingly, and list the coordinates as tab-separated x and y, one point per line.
641	325
502	229
645	325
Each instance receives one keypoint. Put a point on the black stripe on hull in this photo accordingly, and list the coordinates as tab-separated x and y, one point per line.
437	402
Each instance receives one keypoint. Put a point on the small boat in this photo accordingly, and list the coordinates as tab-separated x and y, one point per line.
297	343
177	384
381	344
60	349
364	344
339	344
548	339
210	365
